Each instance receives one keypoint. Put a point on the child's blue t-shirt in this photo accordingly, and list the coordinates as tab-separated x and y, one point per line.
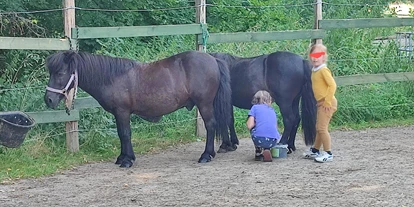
265	121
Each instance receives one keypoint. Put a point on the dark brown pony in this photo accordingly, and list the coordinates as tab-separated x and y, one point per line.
287	77
150	90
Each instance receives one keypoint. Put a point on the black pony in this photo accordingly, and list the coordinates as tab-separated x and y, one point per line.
286	76
150	90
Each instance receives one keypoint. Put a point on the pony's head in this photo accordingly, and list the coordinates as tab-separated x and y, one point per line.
63	76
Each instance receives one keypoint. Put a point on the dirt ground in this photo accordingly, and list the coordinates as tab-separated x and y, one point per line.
371	168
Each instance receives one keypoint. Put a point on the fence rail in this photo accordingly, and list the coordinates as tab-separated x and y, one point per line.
54	116
135	31
26	43
365	23
263	36
374	78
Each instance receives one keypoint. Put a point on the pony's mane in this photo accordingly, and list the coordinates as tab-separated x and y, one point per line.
225	56
92	69
230	59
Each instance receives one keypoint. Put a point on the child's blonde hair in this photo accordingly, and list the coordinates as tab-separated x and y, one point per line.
262	97
321	47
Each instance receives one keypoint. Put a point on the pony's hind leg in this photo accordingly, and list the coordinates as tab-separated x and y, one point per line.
217	115
295	125
207	113
229	145
127	156
289	120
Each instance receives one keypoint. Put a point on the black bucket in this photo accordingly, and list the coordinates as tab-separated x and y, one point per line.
14	126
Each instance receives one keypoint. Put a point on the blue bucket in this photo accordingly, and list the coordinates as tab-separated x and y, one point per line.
279	151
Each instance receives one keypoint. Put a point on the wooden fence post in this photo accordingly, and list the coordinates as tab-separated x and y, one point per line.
318	16
201	19
72	137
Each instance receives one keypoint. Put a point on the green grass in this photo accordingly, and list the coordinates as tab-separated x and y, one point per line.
44	151
39	157
382	124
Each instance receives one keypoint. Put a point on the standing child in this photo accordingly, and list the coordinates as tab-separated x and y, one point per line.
262	123
324	87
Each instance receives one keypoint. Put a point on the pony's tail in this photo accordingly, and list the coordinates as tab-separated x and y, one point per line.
222	102
308	105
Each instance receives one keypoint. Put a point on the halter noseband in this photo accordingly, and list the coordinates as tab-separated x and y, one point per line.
64	91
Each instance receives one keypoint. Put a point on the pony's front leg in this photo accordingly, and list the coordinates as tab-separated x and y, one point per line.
209	149
127	156
234	140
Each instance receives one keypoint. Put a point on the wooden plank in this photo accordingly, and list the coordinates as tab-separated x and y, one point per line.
135	31
86	102
365	23
26	43
200	18
69	19
374	78
263	36
318	16
54	116
72	135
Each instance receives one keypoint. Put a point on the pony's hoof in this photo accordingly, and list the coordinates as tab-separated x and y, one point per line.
126	165
221	150
290	150
203	160
118	162
232	148
124	160
227	149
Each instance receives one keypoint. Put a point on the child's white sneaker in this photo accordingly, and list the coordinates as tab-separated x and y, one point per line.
310	155
325	157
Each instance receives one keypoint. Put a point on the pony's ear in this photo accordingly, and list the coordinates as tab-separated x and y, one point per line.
68	56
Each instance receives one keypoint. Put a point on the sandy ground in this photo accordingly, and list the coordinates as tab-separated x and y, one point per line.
372	167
